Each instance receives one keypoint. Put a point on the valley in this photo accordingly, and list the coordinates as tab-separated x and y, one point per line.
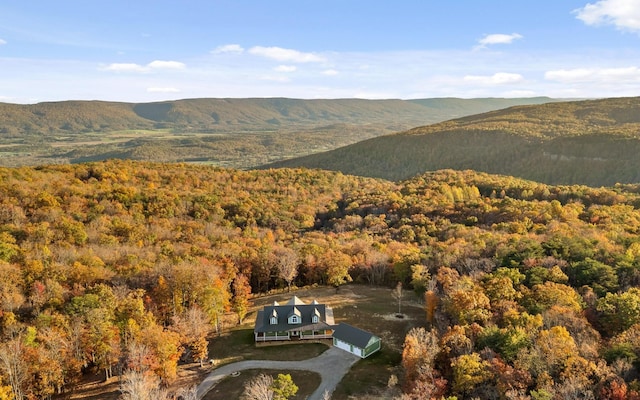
236	133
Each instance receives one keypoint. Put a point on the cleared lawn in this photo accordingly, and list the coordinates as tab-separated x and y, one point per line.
367	307
232	387
239	345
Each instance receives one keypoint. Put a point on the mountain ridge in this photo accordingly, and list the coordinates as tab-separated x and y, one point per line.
207	113
238	133
590	142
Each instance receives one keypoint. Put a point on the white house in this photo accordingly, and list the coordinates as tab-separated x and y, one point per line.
294	320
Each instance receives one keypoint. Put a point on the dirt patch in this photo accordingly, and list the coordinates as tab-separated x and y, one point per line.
394	317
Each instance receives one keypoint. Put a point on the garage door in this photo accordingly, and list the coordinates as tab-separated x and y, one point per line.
343	345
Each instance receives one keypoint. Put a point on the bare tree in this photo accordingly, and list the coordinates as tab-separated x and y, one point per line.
199	329
375	265
138	357
259	388
14	367
287	264
397	294
187	393
141	386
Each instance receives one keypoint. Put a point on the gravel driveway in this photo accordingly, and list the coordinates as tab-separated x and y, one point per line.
332	365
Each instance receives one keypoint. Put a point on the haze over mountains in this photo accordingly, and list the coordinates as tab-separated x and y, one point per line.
583	142
220	114
591	142
239	133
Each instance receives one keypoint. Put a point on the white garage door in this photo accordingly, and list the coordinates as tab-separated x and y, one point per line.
343	345
349	348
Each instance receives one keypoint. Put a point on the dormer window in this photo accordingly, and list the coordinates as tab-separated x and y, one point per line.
273	320
316	316
295	317
315	319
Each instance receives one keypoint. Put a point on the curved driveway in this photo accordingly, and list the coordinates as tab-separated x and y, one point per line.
332	365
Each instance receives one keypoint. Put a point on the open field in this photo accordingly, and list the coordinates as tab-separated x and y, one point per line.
367	307
233	148
370	308
232	386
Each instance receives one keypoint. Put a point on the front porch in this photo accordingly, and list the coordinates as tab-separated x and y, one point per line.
292	335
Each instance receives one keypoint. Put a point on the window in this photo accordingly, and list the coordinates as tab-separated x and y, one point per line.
294	319
274	320
315	319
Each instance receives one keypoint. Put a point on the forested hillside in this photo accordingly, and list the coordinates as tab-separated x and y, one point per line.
77	117
593	143
531	291
239	133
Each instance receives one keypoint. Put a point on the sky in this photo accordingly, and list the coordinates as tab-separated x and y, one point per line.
154	50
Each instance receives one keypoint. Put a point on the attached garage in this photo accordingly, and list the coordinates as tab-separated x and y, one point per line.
355	340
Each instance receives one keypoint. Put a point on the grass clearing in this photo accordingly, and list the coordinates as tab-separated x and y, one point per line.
232	387
238	345
367	307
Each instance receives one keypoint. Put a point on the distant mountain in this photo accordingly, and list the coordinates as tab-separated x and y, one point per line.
223	114
452	107
237	133
594	142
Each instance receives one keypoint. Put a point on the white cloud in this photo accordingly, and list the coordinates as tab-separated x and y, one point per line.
285	55
3	42
423	74
272	78
498	38
568	75
163	90
228	49
166	65
500	78
125	67
330	72
153	65
602	75
286	68
623	14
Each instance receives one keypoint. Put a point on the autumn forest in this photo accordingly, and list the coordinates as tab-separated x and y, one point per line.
530	290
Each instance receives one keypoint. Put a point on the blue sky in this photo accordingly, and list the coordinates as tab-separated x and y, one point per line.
141	50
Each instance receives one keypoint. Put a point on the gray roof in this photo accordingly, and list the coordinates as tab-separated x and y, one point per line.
305	311
351	334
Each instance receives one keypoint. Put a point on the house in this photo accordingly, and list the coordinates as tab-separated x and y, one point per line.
294	320
355	340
